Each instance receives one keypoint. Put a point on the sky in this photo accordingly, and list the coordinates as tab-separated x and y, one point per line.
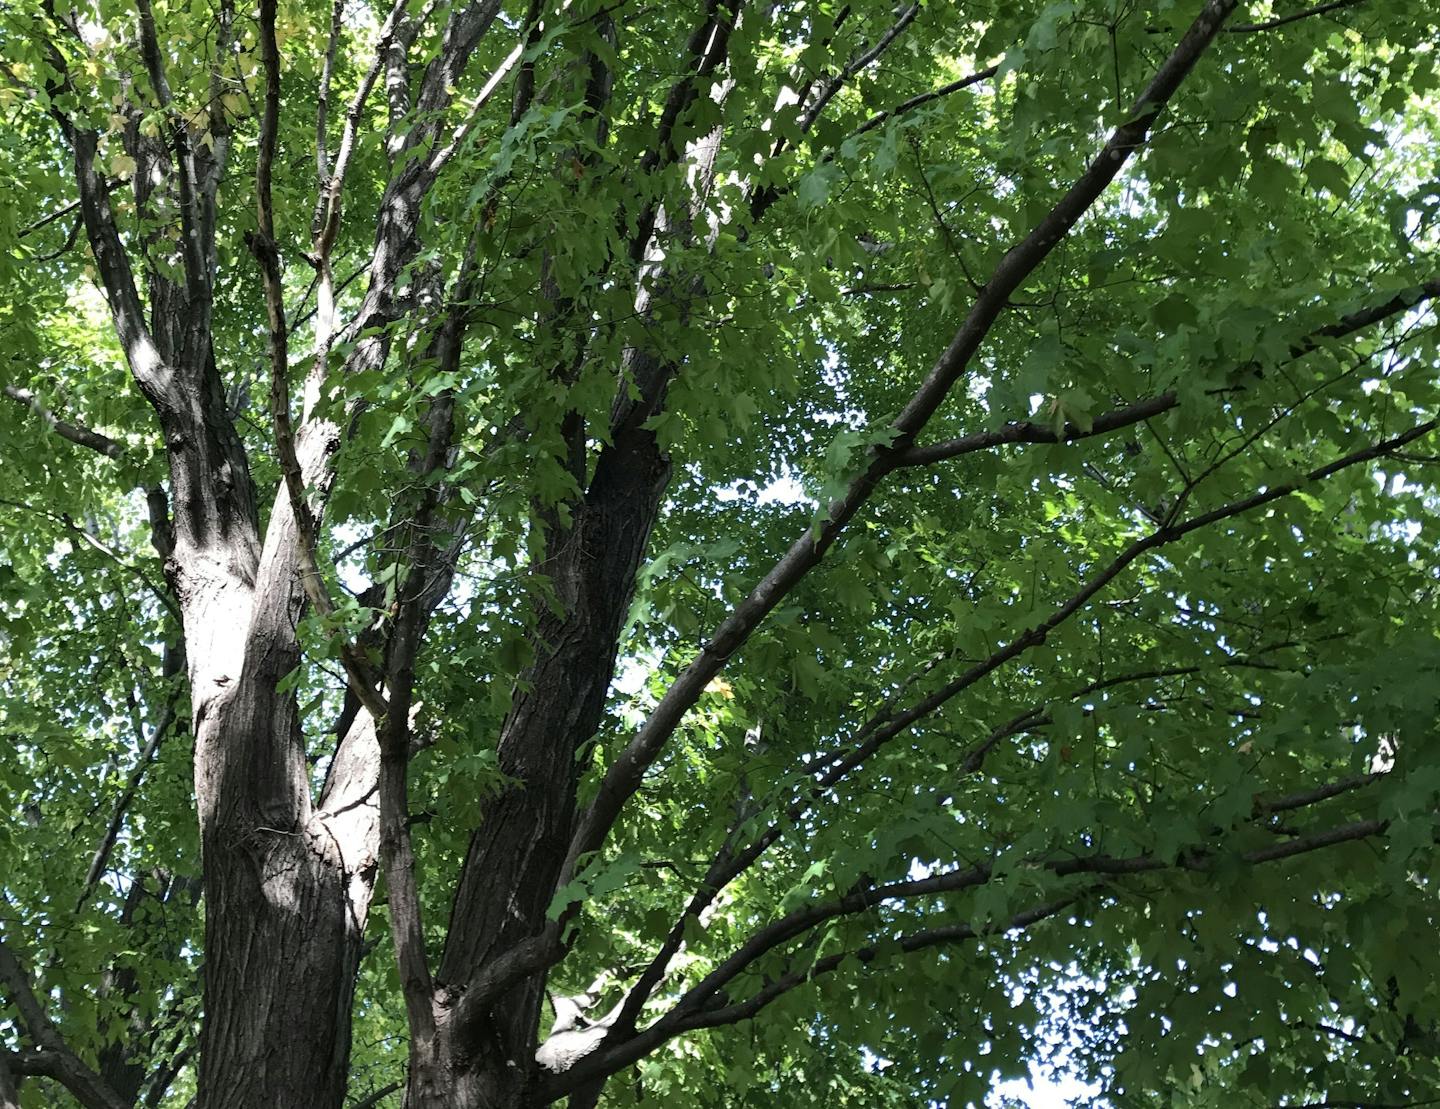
1043	1093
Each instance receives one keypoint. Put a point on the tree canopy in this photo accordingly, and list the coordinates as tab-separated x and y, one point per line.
798	553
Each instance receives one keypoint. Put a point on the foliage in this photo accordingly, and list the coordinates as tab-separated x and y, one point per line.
1104	734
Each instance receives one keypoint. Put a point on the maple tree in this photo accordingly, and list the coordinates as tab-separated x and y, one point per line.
804	553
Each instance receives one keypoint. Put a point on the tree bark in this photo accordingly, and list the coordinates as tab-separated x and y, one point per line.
515	857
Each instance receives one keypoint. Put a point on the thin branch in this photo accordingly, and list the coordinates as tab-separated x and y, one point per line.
881	733
263	245
865	896
1024	431
100	858
326	221
58	214
9	1095
322	96
370	1100
695	1009
856	65
93	541
1308	797
1346	1103
920	100
908	944
885	725
1281	21
442	156
417	596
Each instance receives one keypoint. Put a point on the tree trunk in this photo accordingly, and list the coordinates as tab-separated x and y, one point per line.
287	887
516	855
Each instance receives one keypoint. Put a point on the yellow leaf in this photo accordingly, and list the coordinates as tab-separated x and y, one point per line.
122	165
722	687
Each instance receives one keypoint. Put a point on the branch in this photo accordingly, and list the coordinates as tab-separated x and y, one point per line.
322	98
763	198
157	503
112	261
1308	797
834	85
9	1095
326	222
418	593
263	245
885	724
878	732
369	1101
605	1063
55	1056
75	433
915	941
171	668
1281	21
693	1011
865	896
1026	431
156	538
625	774
1348	1103
924	98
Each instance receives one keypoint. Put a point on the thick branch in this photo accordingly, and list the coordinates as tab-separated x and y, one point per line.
113	263
55	1055
885	725
263	246
624	775
694	1010
423	563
